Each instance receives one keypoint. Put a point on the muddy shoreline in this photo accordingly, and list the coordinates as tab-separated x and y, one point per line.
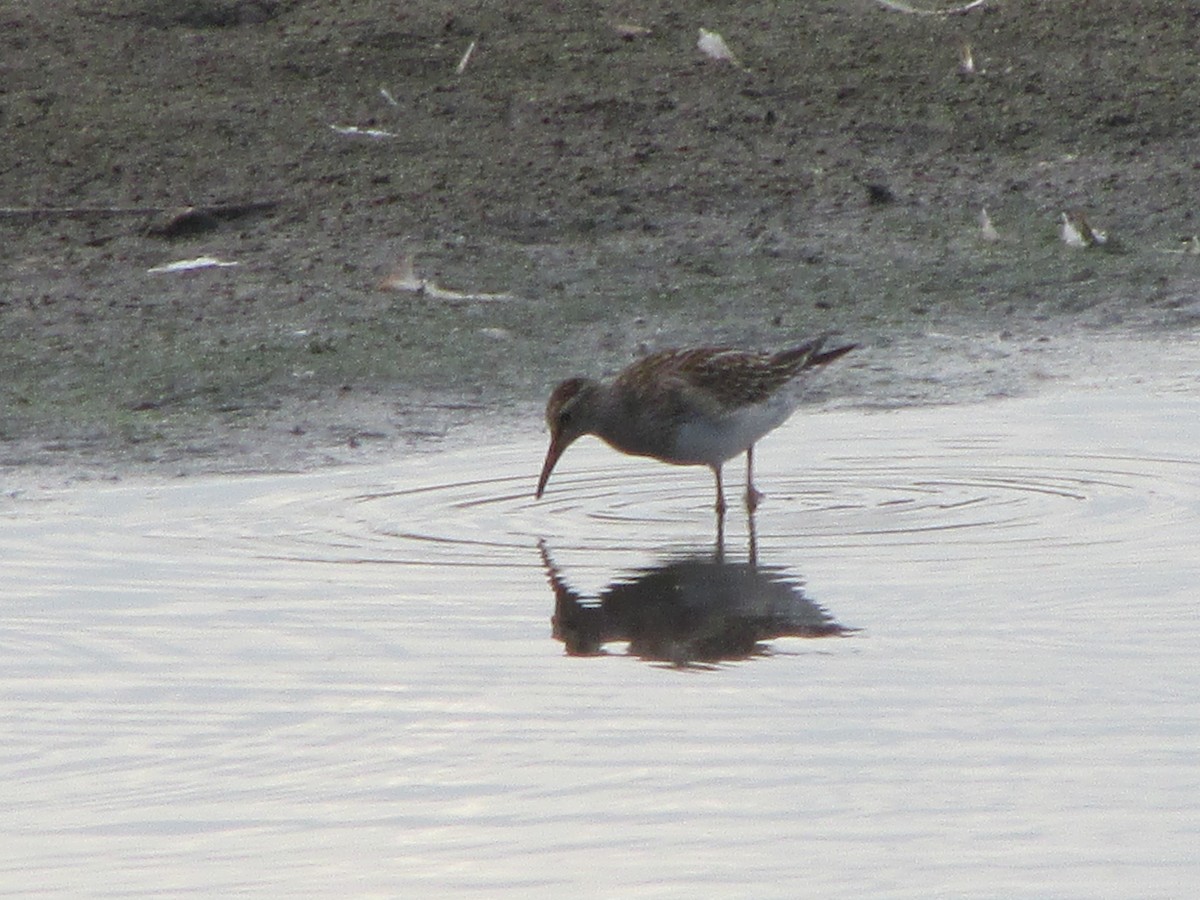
618	191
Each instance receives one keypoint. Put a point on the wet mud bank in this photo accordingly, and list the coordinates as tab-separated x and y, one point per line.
588	186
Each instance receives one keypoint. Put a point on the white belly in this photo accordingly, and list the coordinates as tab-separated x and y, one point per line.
710	443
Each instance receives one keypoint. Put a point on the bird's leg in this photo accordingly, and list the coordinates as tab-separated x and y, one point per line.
753	495
720	492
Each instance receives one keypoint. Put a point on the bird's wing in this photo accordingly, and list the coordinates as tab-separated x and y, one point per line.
665	384
730	379
715	381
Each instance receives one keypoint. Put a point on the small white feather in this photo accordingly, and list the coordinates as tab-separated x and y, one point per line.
354	130
900	6
1078	232
466	58
187	265
986	229
966	59
713	46
1070	233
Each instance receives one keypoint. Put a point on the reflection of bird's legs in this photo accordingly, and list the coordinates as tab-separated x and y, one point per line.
753	535
719	547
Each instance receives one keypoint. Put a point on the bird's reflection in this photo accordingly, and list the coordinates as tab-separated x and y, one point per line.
693	608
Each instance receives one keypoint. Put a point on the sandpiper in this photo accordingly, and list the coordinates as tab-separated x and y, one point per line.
688	407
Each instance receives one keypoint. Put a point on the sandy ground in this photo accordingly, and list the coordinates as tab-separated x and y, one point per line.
595	181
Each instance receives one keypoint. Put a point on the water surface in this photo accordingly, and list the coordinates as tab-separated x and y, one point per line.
957	656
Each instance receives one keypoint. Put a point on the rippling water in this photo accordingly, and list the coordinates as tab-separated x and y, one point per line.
956	656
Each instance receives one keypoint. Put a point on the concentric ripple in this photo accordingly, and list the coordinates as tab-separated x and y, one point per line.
1020	480
1023	477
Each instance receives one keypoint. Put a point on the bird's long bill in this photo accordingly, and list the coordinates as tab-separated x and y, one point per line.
556	450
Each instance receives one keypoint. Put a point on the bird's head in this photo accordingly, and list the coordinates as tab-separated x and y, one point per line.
569	416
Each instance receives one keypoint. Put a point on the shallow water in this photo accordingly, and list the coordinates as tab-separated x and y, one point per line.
957	657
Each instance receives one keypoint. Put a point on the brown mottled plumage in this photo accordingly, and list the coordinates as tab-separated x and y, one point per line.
688	407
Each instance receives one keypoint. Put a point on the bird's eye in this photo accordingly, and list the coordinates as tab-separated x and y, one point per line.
564	418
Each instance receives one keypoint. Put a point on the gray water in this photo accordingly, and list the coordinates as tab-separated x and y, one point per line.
957	657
